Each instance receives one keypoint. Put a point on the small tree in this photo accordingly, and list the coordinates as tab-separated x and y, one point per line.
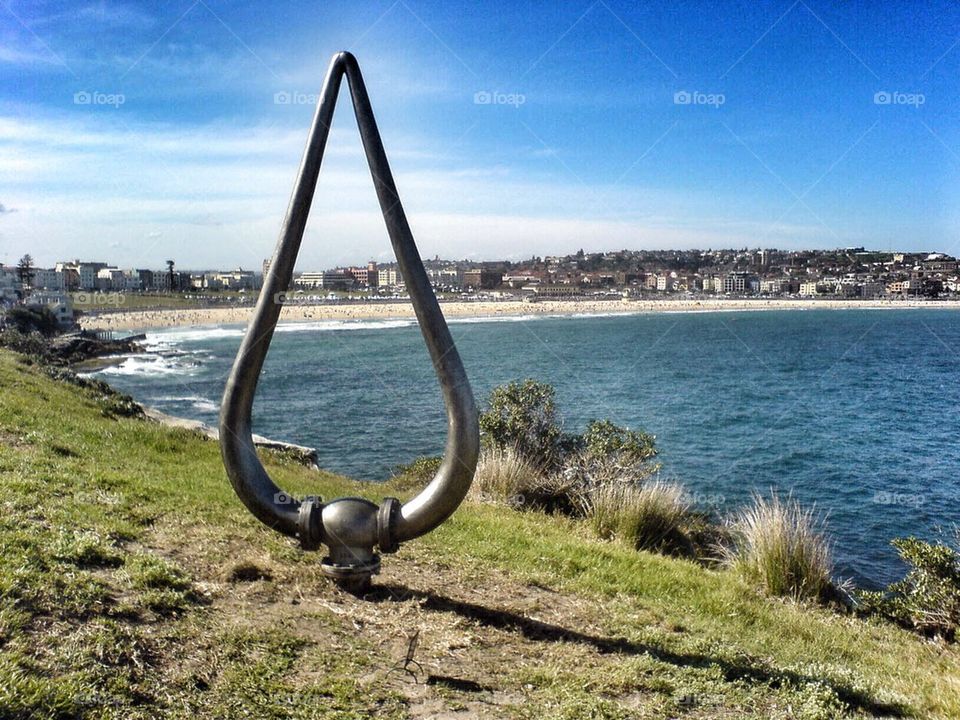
523	416
25	271
170	275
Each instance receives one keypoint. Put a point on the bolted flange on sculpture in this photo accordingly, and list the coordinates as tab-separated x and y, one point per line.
352	529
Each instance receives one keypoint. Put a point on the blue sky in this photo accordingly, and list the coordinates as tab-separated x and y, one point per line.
136	132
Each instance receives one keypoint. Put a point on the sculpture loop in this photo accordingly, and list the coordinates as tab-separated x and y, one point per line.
351	528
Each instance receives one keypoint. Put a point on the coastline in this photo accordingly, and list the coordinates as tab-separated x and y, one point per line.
155	319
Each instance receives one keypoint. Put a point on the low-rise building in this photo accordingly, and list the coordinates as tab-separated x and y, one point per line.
388	277
775	286
9	284
238	279
327	280
365	276
59	303
739	283
555	291
872	289
110	278
482	279
809	289
518	280
47	279
86	273
909	286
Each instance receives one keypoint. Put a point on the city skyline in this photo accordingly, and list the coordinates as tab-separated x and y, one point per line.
139	134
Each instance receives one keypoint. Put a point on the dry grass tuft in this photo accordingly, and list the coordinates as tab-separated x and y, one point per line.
649	517
782	548
503	475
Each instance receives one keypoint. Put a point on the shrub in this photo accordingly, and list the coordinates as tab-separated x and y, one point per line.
928	598
522	416
648	517
29	320
781	547
605	439
31	344
608	453
521	426
420	470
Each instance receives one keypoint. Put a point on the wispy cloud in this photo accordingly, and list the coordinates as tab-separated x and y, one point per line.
216	194
34	58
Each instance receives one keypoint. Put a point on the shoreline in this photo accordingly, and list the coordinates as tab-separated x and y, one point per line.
157	319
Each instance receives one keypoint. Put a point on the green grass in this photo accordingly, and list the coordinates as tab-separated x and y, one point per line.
93	302
133	584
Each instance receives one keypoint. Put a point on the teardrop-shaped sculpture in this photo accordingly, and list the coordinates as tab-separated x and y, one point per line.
351	528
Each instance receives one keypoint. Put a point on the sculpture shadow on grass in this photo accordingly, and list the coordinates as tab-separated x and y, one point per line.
539	631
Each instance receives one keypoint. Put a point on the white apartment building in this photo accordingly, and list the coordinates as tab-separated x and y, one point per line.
9	283
86	272
48	279
238	279
773	287
110	278
389	277
328	280
59	303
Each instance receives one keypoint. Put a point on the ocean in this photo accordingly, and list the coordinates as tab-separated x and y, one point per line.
855	411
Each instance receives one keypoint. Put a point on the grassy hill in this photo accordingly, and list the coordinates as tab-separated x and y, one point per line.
133	584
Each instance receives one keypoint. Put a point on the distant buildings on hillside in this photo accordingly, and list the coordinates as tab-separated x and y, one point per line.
841	273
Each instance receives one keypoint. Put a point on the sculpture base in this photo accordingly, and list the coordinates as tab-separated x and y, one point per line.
353	578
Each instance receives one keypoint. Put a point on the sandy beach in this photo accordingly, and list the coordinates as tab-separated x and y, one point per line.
151	319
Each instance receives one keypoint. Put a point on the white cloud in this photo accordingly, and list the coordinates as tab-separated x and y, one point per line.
87	185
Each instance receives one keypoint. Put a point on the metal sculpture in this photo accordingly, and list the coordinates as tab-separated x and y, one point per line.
351	528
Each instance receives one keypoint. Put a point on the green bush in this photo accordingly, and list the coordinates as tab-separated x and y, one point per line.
28	320
604	439
522	416
928	598
31	344
607	453
422	468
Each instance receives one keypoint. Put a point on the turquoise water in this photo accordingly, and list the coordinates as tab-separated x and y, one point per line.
855	410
